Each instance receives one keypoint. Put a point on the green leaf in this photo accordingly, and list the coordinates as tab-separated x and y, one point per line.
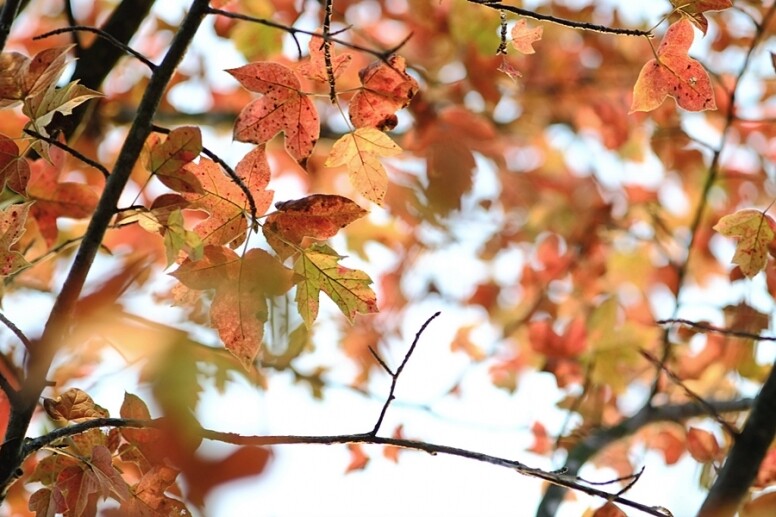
319	269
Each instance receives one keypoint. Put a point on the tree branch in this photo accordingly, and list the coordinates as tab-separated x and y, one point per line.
717	330
395	375
556	478
7	16
56	143
597	440
561	21
57	326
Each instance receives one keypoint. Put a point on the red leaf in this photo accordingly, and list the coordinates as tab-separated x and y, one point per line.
204	475
315	68
14	169
387	88
542	442
674	73
702	445
283	107
695	9
358	460
12	221
609	510
166	160
319	216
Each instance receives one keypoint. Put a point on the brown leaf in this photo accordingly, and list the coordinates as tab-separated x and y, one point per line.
74	405
386	89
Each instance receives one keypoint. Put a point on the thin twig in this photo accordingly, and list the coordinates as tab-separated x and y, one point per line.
327	8
35	444
717	330
56	143
16	330
101	33
395	375
229	172
562	21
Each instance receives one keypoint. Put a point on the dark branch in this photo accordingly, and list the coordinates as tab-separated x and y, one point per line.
561	21
56	143
717	330
395	375
7	16
600	438
555	478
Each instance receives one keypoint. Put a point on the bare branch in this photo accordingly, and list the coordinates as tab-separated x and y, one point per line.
395	375
561	21
56	143
717	330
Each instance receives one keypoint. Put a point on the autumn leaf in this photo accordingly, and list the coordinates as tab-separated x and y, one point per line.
74	405
358	459
225	201
387	88
42	107
391	452
761	506
609	510
318	216
695	9
702	445
21	76
315	68
55	199
282	107
360	151
14	168
47	501
319	270
754	231
674	73
166	159
12	221
523	37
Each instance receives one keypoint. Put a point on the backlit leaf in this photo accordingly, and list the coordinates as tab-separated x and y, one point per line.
702	445
358	459
21	76
523	37
695	9
318	216
674	73
387	88
360	151
319	270
754	232
12	221
42	107
283	107
14	168
166	160
315	68
74	405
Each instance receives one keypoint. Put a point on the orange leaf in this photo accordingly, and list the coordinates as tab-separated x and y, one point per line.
315	68
695	9
755	231
542	442
674	73
523	37
319	216
283	107
358	460
387	89
14	168
12	221
74	405
224	201
609	510
391	452
702	445
21	76
360	151
166	160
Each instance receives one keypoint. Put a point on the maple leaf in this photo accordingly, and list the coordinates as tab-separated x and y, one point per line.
695	9
47	501
225	201
14	168
74	405
360	151
166	159
523	37
54	199
42	107
12	221
319	270
21	76
674	73
239	307
282	107
755	231
702	445
387	88
318	216
358	459
315	68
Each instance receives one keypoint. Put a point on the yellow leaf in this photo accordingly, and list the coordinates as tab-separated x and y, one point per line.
754	231
360	151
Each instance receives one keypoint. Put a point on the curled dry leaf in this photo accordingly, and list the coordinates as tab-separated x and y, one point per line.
387	88
755	231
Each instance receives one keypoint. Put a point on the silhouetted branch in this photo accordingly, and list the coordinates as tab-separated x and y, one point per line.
568	482
602	437
395	375
561	21
102	34
56	143
717	330
7	16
